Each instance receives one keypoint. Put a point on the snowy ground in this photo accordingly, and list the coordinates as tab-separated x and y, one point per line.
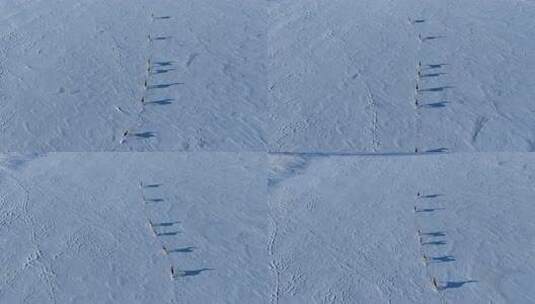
344	229
343	75
255	228
291	128
257	75
74	228
72	75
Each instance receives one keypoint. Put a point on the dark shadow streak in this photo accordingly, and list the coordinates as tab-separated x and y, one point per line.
436	66
437	89
163	38
435	243
145	134
165	224
183	250
439	150
162	71
190	273
429	210
152	186
441	104
331	154
433	37
154	200
443	259
164	63
163	86
432	75
431	195
457	284
162	102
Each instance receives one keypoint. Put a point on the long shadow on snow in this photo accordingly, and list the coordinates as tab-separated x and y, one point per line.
145	134
436	66
429	75
164	63
183	250
433	37
434	243
164	86
457	284
431	195
443	259
436	89
152	186
162	71
165	224
426	210
161	102
441	104
190	273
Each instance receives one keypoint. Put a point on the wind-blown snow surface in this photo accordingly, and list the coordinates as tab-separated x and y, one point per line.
344	229
74	228
256	228
343	75
258	75
72	75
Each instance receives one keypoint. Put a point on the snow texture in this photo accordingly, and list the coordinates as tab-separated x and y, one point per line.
258	75
301	151
254	228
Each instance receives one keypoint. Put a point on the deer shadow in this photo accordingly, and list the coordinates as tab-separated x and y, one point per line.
443	259
436	89
164	86
162	71
438	150
190	273
183	250
427	210
430	75
428	38
152	186
145	134
435	105
431	195
165	224
163	63
161	102
436	66
457	284
434	243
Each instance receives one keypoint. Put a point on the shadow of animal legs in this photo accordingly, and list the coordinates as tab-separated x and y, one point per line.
435	243
145	134
152	186
443	259
161	102
189	273
441	104
183	250
457	284
439	150
163	86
